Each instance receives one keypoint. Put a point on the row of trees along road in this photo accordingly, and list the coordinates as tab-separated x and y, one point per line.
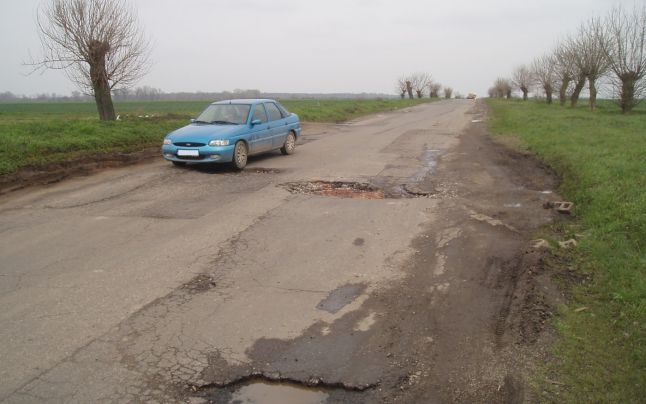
608	49
420	84
98	43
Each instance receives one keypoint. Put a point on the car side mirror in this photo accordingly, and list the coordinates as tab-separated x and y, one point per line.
256	122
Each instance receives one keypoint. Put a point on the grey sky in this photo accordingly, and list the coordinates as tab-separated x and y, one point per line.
317	46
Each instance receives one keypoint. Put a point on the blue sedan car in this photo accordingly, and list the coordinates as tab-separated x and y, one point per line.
230	131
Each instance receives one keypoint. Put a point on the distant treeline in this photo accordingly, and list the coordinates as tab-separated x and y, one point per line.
147	93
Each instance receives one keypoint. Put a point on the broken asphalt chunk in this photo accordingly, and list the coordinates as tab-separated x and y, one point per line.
561	207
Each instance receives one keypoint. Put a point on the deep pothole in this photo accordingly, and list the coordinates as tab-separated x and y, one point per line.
274	388
268	392
356	190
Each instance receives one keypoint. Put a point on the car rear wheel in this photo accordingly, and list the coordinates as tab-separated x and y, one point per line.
290	144
179	163
240	155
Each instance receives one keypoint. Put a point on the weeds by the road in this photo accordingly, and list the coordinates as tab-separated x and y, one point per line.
33	134
601	156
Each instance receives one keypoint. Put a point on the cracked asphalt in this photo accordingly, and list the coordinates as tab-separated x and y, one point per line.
155	283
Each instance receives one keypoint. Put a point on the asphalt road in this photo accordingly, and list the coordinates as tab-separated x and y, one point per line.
150	282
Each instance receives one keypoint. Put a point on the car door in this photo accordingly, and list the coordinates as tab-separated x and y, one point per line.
260	134
277	125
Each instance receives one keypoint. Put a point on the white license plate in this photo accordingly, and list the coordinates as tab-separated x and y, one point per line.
192	153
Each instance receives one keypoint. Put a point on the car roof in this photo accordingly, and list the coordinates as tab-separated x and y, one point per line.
248	101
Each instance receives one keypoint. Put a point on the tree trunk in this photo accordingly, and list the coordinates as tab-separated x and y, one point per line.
100	83
627	95
409	89
593	93
548	93
525	90
563	90
577	91
419	93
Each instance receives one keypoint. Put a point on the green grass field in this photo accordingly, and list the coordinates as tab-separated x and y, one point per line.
601	156
34	134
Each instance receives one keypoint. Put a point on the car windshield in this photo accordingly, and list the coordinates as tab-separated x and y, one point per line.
224	114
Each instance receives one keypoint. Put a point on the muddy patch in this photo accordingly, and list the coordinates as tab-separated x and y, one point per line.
341	297
81	166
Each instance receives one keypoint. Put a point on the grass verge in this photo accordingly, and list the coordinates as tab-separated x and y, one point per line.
600	355
36	134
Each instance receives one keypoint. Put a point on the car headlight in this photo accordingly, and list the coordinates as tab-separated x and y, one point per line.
219	142
167	141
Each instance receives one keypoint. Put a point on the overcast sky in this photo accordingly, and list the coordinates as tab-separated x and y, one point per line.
317	46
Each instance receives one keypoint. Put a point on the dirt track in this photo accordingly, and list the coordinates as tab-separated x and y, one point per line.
413	281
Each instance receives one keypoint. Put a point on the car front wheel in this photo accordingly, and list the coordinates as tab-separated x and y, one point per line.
240	156
290	144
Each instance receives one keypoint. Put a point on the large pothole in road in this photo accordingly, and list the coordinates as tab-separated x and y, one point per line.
267	392
354	190
275	389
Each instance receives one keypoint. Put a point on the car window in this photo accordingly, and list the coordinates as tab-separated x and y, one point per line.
283	110
233	113
259	113
273	111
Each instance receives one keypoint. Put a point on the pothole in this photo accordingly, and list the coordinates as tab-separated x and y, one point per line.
356	190
273	388
200	283
341	297
278	393
339	189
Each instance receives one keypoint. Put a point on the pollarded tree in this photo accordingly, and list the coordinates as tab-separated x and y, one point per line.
566	70
587	51
573	51
624	44
522	78
420	81
448	92
501	88
434	89
98	43
401	87
544	74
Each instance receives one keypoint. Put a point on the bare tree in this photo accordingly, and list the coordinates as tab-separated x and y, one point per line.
501	88
565	70
98	43
586	49
522	78
434	89
409	88
544	74
401	86
420	81
448	92
624	44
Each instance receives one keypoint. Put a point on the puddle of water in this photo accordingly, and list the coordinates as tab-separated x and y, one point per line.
276	393
341	297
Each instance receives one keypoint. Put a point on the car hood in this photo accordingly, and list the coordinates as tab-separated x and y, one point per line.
204	132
